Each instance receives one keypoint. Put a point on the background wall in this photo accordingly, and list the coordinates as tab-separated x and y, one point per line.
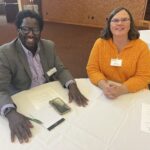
7	32
88	12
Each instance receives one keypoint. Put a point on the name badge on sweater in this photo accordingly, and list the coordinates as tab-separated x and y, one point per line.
116	62
51	71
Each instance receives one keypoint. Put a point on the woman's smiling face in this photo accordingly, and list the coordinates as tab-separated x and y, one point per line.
120	24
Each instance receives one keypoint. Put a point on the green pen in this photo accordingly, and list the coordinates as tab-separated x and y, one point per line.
35	120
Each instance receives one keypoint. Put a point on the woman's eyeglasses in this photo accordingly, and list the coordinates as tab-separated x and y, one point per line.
123	20
27	30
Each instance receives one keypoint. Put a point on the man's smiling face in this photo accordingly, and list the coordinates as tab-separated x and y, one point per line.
29	33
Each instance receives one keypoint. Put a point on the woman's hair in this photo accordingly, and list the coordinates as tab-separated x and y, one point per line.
106	32
28	13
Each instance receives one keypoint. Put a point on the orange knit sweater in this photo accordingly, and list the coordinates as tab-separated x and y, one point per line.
135	69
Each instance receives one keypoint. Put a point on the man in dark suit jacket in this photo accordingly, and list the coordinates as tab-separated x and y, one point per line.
26	62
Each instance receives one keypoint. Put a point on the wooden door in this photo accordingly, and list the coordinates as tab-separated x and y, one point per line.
147	12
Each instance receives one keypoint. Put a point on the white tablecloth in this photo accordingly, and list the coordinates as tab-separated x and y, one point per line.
145	36
103	125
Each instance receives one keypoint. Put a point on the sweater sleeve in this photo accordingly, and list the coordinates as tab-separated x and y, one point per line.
93	68
142	75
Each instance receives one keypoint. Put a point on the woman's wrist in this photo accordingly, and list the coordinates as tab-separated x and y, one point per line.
124	89
102	83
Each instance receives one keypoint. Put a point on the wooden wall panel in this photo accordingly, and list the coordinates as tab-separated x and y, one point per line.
8	32
88	12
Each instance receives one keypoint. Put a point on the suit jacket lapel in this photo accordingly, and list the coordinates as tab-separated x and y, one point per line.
43	60
23	58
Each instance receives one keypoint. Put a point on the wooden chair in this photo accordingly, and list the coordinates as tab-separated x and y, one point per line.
144	24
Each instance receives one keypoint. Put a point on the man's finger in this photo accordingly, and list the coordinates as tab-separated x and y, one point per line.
28	123
27	127
70	98
19	136
24	134
12	136
83	101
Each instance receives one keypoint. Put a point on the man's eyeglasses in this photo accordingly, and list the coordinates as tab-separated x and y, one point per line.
27	30
123	20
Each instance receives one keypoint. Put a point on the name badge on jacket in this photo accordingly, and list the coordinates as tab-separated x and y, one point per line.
51	71
116	62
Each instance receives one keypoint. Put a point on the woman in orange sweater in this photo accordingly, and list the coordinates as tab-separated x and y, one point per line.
119	56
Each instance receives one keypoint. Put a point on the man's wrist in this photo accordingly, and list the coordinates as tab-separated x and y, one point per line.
8	110
4	107
72	85
68	83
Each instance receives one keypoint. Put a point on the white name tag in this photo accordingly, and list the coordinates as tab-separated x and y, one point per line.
116	62
51	71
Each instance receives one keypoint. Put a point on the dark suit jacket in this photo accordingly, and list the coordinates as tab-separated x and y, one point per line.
15	73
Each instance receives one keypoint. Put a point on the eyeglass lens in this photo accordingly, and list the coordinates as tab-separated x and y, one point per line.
26	30
116	20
